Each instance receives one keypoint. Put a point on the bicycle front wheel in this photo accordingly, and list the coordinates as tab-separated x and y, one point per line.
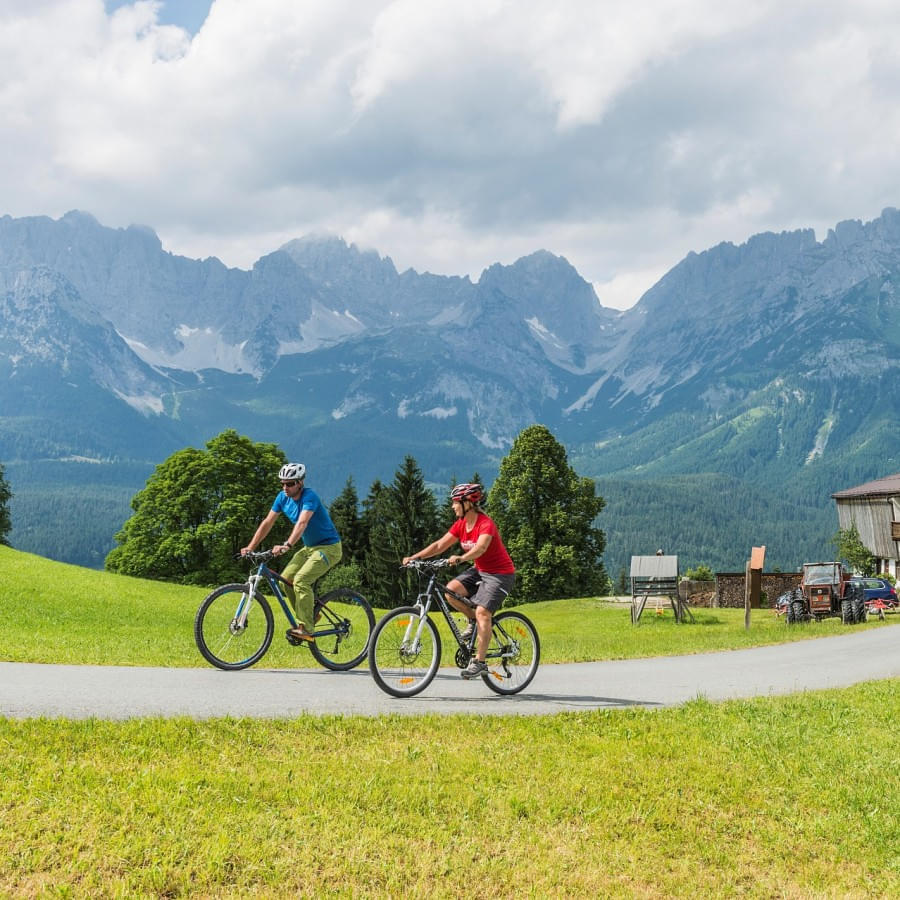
344	623
513	654
405	652
233	628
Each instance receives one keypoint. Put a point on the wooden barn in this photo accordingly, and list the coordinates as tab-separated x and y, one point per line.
875	508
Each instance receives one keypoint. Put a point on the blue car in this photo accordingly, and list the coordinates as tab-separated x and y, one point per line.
877	589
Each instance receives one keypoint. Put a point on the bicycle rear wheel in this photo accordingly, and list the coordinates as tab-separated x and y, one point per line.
232	628
404	657
513	654
348	620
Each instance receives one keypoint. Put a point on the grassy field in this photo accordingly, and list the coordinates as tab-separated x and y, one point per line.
778	797
65	614
792	796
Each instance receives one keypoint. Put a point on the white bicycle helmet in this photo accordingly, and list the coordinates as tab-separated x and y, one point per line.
292	472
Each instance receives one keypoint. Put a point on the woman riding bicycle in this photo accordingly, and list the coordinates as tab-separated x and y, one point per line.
322	543
488	581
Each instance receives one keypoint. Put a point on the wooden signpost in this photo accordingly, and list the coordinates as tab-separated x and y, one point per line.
752	581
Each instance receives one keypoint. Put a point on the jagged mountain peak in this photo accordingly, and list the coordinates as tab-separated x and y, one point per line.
327	257
560	307
46	324
885	229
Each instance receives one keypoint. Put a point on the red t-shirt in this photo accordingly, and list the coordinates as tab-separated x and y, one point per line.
495	560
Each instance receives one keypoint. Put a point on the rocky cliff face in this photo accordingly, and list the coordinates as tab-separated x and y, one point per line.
527	341
777	304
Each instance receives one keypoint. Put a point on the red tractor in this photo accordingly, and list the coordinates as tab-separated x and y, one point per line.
825	590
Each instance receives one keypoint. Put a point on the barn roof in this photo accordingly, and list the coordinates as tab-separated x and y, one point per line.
882	487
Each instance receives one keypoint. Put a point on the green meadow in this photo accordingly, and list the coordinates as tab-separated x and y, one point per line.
793	796
59	613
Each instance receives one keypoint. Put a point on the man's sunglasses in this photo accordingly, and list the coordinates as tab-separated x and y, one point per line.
289	483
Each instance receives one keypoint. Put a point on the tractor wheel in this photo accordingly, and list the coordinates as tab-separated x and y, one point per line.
860	613
847	611
798	611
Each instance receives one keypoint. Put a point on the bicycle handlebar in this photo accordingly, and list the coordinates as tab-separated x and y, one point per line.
426	564
257	556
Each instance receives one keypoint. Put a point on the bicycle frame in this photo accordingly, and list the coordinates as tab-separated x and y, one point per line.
272	578
435	591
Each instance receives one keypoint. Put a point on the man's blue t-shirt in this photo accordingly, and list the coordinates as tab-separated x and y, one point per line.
320	529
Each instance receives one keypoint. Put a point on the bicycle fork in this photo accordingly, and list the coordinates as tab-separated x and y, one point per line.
412	637
239	622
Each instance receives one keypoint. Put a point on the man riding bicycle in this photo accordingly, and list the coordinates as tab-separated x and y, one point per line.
322	543
488	581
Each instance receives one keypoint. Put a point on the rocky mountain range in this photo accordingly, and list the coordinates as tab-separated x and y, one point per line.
772	364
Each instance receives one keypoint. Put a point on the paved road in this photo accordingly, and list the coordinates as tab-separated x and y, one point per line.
118	692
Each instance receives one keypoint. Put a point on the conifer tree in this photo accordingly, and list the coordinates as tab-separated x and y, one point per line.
5	497
344	511
545	513
402	518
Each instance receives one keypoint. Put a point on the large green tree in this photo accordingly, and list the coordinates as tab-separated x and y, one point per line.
546	515
198	509
402	518
5	520
344	511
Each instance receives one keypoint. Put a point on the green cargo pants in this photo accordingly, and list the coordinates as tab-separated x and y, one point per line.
306	565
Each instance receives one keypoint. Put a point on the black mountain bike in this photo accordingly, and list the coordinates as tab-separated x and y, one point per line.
405	649
234	625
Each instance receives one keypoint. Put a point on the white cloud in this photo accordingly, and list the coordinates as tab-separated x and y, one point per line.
450	135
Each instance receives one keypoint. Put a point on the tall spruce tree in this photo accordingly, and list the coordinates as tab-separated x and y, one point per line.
403	518
344	511
545	513
5	497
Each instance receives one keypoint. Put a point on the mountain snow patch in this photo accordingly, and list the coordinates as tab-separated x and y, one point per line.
544	334
323	328
201	348
821	441
351	405
145	404
441	412
436	412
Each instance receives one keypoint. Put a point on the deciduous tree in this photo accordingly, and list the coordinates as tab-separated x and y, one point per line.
853	551
198	508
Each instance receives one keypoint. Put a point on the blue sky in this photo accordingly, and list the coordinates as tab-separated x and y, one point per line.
187	14
452	134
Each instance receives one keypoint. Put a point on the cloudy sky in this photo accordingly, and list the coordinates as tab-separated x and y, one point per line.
451	134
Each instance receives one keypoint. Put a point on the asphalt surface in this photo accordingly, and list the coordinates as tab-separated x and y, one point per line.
30	690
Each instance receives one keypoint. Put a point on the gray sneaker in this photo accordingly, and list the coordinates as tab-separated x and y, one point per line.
468	632
474	669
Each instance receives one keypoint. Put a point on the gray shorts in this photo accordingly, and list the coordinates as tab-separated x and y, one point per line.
486	590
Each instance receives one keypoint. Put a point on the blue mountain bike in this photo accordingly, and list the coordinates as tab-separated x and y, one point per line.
234	624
